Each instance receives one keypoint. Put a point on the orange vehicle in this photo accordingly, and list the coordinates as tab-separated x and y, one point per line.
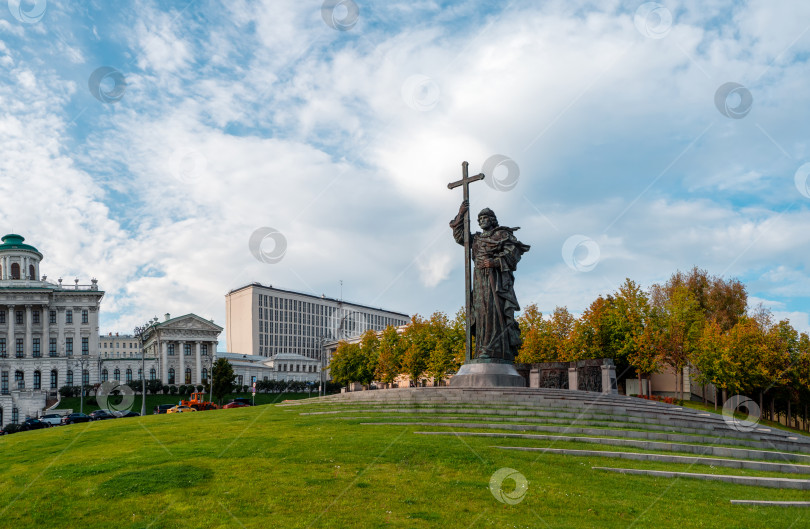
198	402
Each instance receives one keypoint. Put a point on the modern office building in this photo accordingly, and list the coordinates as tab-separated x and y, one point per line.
266	321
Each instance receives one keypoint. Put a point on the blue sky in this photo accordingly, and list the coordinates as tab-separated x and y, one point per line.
336	130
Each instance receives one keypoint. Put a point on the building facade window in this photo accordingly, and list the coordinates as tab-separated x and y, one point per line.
187	349
35	317
129	375
171	375
15	270
152	374
54	379
171	349
3	352
20	351
105	375
37	380
19	380
18	317
85	377
188	375
85	317
2	317
35	346
205	376
69	346
4	383
85	345
68	316
117	375
32	273
15	413
204	349
52	347
69	379
52	317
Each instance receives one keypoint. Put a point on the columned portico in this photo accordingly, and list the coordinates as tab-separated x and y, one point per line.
189	332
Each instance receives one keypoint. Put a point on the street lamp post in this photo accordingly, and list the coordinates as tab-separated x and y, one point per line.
141	332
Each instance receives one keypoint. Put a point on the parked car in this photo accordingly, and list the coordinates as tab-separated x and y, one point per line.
54	419
162	408
243	400
76	417
235	404
101	415
33	424
127	413
180	409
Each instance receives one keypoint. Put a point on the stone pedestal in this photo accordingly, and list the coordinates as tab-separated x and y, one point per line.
487	375
573	380
609	379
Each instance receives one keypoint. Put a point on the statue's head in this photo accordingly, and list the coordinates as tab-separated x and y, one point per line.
487	219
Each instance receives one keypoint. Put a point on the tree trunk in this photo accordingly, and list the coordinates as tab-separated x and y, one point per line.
761	401
788	416
703	392
640	392
649	385
724	396
773	410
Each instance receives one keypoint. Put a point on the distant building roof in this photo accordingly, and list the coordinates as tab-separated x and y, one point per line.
12	241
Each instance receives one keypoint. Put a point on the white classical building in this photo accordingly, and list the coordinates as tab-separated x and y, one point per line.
290	367
182	347
48	332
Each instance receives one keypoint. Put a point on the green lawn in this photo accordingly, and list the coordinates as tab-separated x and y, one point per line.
268	466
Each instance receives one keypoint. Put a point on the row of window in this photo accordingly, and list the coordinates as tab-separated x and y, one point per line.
296	368
36	349
15	274
170	349
19	380
36	317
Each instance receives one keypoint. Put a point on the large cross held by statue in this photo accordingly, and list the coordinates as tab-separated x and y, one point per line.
465	185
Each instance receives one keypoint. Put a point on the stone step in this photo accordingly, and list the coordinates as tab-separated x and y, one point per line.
776	483
719	451
632	434
667	458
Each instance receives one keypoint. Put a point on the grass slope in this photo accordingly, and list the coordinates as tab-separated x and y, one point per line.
268	466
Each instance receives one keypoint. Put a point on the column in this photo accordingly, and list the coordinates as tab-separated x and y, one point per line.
180	376
198	363
164	358
28	346
45	340
11	346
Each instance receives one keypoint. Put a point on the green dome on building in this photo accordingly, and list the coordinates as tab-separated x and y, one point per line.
12	241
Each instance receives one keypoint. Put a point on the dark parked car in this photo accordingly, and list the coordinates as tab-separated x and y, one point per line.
235	404
101	415
33	424
76	417
162	408
128	413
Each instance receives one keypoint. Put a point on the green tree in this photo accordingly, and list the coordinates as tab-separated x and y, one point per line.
389	360
418	342
223	379
443	343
